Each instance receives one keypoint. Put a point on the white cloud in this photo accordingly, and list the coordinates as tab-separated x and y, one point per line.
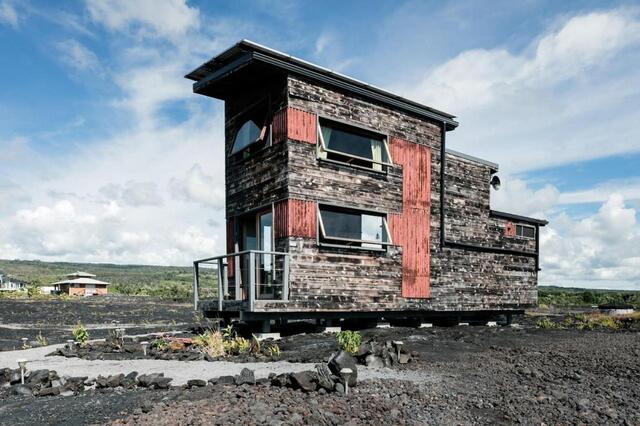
554	102
198	187
8	14
164	18
600	251
77	56
628	188
133	193
515	196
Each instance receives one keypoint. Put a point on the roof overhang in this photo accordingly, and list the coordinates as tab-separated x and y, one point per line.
247	62
518	218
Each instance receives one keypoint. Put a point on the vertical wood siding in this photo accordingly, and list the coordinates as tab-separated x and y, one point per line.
230	246
411	229
295	218
294	124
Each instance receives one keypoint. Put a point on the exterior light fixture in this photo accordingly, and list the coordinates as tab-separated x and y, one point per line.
398	345
495	182
24	342
22	363
144	347
346	373
70	344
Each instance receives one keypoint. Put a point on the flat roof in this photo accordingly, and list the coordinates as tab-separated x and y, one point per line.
518	218
246	52
81	281
494	166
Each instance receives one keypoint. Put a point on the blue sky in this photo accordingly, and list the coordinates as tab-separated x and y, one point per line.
107	155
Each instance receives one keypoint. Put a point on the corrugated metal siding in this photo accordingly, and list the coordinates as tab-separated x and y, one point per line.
279	126
295	218
411	228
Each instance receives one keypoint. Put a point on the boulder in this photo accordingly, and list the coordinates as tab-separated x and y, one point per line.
49	391
147	380
281	380
102	382
161	383
15	377
132	375
224	380
373	361
404	358
21	390
245	376
304	380
344	360
115	380
196	383
74	384
5	376
324	376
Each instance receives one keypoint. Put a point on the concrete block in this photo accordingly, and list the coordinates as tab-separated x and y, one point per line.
383	325
263	336
332	329
492	324
425	325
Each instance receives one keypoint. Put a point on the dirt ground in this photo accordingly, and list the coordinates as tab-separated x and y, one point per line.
475	375
55	318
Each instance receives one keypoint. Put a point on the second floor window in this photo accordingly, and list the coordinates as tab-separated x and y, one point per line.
352	228
252	132
351	145
525	231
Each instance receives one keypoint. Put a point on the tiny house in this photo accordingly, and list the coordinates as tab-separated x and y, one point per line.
342	201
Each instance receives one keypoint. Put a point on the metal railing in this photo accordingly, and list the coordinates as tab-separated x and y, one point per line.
248	275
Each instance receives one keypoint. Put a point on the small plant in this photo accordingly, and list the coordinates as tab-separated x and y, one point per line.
255	346
547	323
211	343
349	341
228	332
176	346
236	345
42	341
160	344
274	351
80	334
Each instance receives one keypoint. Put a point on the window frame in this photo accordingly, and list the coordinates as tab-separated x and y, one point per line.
326	241
266	129
358	130
522	226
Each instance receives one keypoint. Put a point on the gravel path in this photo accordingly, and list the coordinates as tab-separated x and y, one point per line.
180	371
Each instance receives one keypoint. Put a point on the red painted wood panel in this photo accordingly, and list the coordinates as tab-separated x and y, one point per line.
509	229
230	246
294	124
411	229
295	218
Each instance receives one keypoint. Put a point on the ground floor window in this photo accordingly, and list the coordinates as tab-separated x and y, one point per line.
347	227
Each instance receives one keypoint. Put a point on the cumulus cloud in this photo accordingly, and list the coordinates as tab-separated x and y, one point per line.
8	14
600	251
554	102
516	196
198	187
170	19
76	55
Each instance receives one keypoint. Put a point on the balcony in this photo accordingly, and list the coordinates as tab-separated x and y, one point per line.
240	281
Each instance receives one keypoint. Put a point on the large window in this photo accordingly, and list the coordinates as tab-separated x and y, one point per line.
352	228
525	231
252	132
351	145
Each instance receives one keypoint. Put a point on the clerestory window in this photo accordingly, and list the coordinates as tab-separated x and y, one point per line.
351	145
252	133
344	227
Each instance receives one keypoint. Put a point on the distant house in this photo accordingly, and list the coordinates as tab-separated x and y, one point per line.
81	284
8	283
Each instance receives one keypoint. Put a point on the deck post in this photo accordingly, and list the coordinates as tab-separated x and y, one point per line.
252	280
225	279
220	280
238	277
285	279
196	285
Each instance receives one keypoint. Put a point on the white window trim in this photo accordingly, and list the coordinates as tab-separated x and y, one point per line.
323	147
354	240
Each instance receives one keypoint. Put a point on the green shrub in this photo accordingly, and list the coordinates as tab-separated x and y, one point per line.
42	341
80	334
349	341
211	343
160	344
547	323
274	350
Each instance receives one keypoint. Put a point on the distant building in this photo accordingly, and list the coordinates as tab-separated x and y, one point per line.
8	283
81	284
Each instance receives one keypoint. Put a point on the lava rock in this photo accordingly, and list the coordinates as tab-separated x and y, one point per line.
115	380
21	390
196	383
49	391
344	360
404	358
102	382
147	380
304	380
325	378
5	376
224	380
246	376
281	380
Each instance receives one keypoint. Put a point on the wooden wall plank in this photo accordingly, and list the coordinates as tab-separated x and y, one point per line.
295	218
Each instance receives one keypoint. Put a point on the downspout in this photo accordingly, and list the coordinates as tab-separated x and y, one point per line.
443	164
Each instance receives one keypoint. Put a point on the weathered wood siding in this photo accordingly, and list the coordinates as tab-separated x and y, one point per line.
341	279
